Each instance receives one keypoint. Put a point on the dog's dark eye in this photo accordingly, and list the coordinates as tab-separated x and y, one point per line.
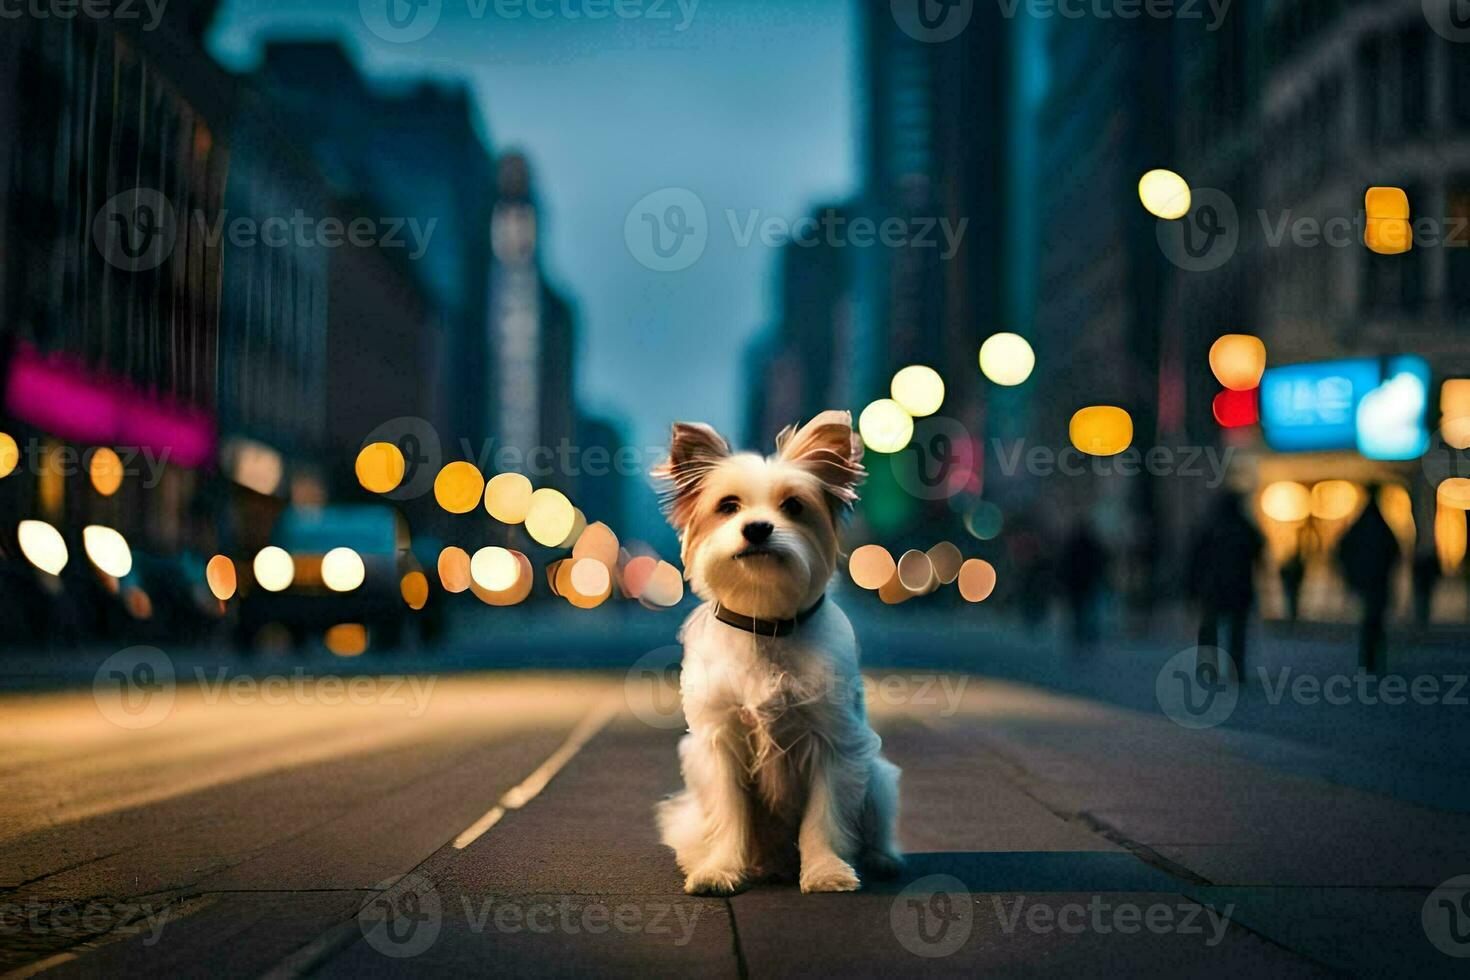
727	506
792	507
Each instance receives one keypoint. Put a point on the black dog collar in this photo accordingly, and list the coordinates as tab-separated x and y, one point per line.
767	627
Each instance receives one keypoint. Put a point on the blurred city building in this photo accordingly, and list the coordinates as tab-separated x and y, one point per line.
228	372
1294	111
804	363
412	151
855	308
1101	275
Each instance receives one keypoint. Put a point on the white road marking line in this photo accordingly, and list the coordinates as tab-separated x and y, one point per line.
31	969
528	789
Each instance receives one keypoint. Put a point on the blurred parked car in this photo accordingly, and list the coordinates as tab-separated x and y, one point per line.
343	569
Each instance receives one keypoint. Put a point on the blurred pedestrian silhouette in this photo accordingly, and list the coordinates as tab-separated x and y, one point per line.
1222	567
1294	570
1084	567
1031	557
1368	553
1426	577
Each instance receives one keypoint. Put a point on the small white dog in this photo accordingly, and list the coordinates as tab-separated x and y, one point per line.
783	776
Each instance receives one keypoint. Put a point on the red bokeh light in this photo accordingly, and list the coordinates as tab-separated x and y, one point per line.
1234	409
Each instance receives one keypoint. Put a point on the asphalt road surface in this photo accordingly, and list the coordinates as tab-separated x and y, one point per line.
499	823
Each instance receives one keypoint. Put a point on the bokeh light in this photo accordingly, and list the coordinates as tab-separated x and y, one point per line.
1238	360
919	390
1387	230
107	549
664	588
221	578
894	591
380	467
1164	194
1286	501
976	580
1234	409
494	569
946	560
342	570
415	589
274	569
508	497
587	582
550	517
1333	500
454	569
885	426
1007	359
9	454
636	574
984	521
916	571
579	525
105	470
1454	407
42	546
1450	534
870	566
598	541
346	639
1101	430
516	592
458	487
1455	492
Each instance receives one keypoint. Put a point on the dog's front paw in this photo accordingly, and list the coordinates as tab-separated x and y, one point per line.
714	881
830	874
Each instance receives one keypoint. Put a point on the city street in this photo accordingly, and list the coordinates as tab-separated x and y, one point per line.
389	824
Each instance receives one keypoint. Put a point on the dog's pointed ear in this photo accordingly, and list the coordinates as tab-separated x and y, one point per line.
694	449
830	450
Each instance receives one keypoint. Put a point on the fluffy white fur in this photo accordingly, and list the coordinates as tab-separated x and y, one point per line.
783	776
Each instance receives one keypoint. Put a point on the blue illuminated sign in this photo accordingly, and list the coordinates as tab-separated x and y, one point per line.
1374	405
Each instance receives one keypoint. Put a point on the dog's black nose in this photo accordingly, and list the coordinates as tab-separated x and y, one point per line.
756	532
